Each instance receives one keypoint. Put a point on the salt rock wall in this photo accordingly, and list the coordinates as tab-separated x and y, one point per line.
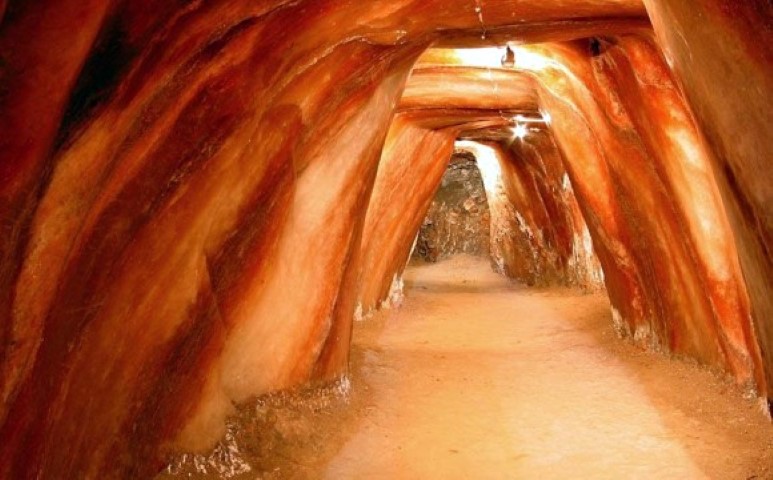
539	236
538	157
458	218
412	164
627	184
721	54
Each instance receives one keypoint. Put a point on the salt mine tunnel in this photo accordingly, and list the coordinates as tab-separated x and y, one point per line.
210	211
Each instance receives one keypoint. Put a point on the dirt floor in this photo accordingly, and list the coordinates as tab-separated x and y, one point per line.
476	377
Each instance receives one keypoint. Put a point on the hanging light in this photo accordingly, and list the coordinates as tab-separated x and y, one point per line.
508	59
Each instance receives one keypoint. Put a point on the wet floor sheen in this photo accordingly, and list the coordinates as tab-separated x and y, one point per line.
477	377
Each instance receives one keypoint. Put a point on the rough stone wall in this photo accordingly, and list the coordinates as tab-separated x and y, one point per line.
458	218
538	234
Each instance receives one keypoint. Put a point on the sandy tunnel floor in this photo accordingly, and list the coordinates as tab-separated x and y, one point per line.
477	377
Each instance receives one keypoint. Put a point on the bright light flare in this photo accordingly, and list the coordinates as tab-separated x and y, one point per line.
526	60
490	57
519	131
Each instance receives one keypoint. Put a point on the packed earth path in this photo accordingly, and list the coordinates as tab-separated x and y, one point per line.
478	377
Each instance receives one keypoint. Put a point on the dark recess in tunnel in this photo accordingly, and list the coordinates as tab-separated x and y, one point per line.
100	76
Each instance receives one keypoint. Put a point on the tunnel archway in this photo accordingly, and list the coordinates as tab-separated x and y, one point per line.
620	184
199	224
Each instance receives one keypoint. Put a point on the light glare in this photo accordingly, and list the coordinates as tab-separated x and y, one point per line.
524	59
519	131
490	57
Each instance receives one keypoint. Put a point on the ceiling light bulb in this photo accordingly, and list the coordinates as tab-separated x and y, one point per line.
508	59
519	131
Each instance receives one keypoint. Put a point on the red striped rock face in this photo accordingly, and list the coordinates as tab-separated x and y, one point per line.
723	63
644	208
196	195
539	234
